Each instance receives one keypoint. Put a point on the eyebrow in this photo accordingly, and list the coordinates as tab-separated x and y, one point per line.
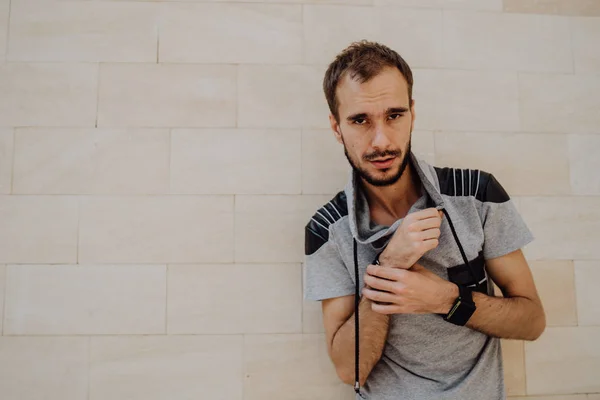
393	110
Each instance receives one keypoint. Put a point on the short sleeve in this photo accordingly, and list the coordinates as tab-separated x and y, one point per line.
325	274
504	229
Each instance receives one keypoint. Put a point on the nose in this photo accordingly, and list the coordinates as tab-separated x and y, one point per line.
381	137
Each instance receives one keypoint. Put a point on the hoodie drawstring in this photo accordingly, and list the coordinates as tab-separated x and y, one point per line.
357	298
356	325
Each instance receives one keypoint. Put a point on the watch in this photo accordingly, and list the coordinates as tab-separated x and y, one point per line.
463	307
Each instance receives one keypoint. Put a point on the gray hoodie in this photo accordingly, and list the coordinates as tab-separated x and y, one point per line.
425	357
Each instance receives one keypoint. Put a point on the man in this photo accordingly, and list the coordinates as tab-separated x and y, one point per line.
405	257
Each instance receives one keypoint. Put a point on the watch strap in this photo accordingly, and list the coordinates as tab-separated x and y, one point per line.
463	308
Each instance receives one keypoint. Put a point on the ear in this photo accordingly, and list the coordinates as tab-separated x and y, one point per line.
335	127
412	114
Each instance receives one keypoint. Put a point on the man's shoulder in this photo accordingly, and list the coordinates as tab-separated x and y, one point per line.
477	183
317	229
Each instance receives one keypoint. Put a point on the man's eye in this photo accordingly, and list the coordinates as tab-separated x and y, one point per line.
360	121
395	116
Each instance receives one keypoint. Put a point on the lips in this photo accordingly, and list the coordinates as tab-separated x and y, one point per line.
383	164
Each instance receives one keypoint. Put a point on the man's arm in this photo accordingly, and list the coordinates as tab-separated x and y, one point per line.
519	315
418	233
338	319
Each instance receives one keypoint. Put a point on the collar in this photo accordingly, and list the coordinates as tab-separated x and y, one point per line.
429	182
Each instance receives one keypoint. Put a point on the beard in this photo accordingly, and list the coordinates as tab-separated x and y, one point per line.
386	181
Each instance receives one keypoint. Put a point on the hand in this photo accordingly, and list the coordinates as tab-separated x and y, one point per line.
413	291
418	233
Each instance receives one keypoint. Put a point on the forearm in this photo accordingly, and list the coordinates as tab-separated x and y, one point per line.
373	330
508	318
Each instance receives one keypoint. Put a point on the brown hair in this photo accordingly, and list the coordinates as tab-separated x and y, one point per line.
362	60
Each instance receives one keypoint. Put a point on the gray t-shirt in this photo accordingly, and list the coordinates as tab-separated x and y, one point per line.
425	357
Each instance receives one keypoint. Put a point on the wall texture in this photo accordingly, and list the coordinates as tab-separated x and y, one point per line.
159	160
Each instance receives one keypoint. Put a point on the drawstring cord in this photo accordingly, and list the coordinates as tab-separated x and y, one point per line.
356	325
357	298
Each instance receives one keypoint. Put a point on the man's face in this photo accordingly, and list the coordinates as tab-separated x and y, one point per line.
376	121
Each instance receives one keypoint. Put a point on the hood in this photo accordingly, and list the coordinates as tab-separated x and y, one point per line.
359	218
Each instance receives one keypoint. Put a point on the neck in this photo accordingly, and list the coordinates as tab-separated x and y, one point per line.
394	200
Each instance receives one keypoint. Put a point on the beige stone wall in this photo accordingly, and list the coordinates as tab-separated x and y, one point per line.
158	162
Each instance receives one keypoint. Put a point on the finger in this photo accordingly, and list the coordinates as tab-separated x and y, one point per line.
379	284
420	269
424	214
381	297
433	233
386	308
429	244
425	224
392	274
417	267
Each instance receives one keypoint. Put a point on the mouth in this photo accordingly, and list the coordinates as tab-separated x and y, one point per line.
383	163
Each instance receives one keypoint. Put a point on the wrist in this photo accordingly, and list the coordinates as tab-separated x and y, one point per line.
448	297
386	258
